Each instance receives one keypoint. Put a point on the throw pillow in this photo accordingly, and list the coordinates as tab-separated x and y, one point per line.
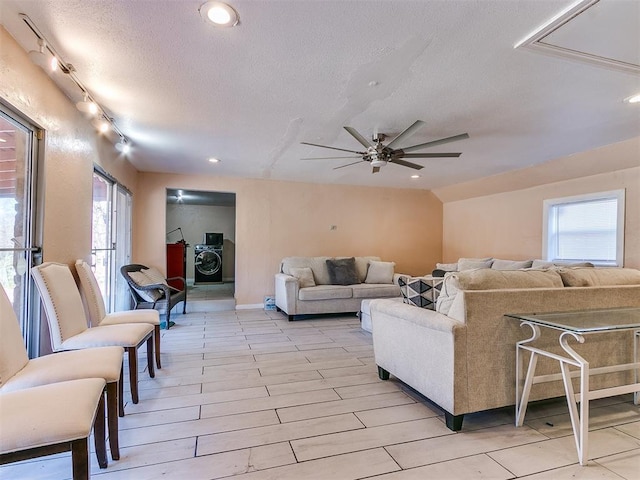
510	264
419	291
342	271
141	279
380	272
304	276
473	263
155	276
447	267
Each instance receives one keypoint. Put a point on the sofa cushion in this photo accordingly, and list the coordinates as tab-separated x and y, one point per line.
342	271
380	272
372	290
304	276
510	264
317	264
474	263
325	292
143	280
538	264
488	279
594	277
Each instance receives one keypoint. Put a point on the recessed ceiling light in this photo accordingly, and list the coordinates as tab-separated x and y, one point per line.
633	99
220	14
214	160
415	176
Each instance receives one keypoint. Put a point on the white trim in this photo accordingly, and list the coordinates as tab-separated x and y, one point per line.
535	40
619	195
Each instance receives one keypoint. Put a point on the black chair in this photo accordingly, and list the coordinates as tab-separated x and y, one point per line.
169	298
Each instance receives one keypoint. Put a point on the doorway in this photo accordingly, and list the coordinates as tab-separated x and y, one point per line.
204	222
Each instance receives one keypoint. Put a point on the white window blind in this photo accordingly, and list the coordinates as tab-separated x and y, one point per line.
586	228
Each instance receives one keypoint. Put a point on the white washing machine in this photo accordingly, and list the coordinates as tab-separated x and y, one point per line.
208	264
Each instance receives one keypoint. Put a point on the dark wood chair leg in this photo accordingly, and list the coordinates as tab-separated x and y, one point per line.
454	422
152	372
156	336
383	374
80	459
112	419
121	393
99	434
133	372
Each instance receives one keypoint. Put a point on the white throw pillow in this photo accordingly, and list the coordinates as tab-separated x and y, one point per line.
447	267
143	280
473	263
510	264
380	272
304	276
155	276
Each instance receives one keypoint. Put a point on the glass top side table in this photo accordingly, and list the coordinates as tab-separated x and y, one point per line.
576	325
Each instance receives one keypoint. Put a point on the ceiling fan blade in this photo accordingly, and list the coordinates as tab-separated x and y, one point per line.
365	143
375	170
332	148
415	166
326	158
430	155
436	142
406	133
347	165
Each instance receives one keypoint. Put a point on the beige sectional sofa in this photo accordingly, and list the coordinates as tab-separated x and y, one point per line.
462	356
297	295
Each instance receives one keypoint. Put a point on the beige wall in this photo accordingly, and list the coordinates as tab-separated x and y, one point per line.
71	147
276	219
509	224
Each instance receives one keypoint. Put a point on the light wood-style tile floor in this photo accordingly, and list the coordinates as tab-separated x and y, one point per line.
249	395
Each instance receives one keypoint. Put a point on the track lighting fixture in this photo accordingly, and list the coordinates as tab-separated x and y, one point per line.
43	57
123	146
49	60
87	105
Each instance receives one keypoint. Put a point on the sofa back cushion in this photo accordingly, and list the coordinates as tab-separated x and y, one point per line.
499	264
318	266
595	277
489	279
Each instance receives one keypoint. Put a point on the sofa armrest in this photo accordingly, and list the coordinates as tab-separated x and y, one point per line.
421	317
287	288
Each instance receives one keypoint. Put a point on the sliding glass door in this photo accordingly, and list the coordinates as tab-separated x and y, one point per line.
111	238
19	248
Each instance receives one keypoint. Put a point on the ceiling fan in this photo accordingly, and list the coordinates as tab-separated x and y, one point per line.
379	154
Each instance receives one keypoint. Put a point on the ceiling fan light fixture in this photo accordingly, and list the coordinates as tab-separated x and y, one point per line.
219	13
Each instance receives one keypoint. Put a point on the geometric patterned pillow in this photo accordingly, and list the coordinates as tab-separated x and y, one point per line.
419	291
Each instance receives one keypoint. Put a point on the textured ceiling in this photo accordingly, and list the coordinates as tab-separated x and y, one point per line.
299	70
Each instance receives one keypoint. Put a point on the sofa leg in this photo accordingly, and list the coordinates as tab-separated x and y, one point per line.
291	317
383	374
454	422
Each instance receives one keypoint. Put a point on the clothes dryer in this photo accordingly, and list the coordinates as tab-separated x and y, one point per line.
208	264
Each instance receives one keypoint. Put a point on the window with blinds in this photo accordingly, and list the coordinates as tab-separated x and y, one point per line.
585	228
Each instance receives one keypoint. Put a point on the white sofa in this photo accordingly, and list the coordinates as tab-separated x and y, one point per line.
462	356
324	297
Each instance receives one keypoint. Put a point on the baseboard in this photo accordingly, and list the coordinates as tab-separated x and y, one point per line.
250	306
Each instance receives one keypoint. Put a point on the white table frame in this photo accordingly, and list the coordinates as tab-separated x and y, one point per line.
579	419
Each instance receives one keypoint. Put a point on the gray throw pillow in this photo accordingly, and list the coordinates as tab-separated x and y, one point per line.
342	271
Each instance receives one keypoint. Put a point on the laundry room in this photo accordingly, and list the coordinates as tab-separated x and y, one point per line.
201	229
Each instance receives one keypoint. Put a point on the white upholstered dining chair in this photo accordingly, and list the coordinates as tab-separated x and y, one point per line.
17	372
98	315
69	327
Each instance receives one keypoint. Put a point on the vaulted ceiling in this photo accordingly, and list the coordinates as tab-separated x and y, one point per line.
299	70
